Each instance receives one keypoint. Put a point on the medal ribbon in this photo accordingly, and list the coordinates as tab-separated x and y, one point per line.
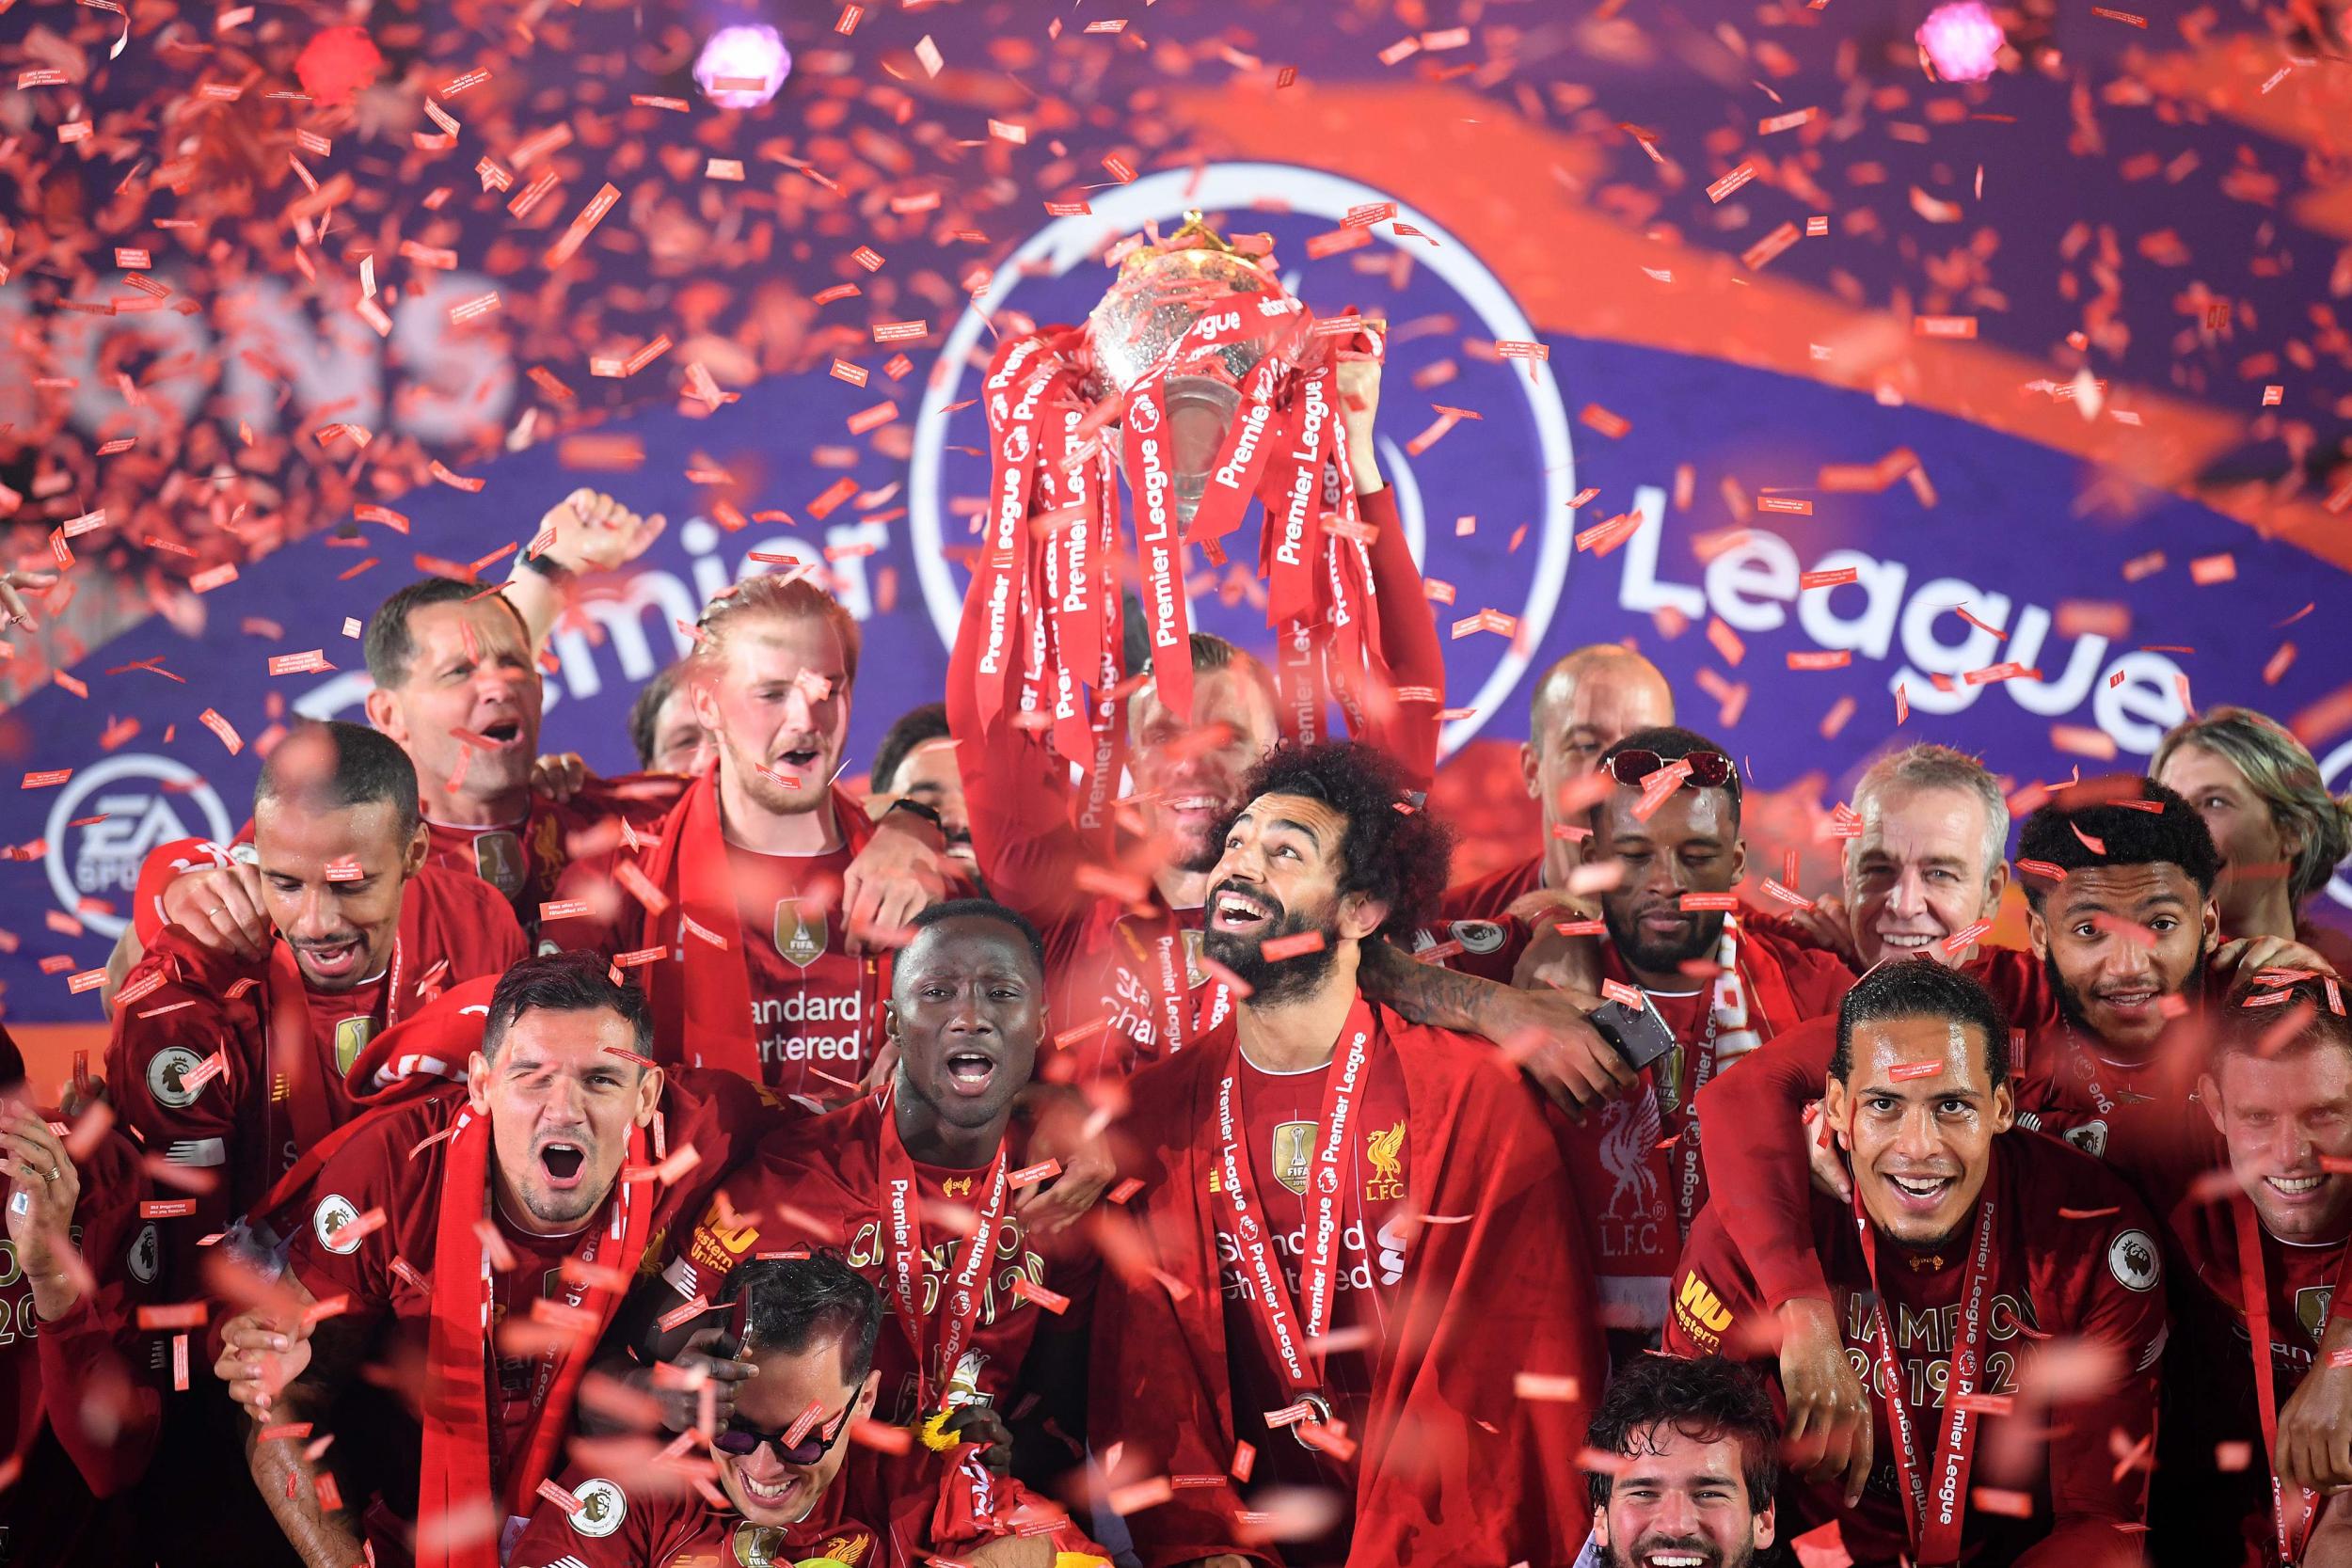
961	1294
1934	1510
1727	1024
1333	1150
1165	616
2294	1534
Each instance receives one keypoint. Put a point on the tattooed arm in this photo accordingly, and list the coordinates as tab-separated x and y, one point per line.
1545	1032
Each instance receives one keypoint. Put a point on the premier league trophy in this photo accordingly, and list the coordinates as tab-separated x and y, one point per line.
1163	293
1205	385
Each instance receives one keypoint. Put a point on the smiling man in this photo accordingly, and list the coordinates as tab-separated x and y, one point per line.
923	1187
2119	875
1967	1245
1686	1466
1285	1292
2266	1255
478	1242
793	1487
232	1063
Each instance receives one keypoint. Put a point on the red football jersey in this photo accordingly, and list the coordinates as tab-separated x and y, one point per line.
808	996
818	1184
722	928
2215	1506
80	1398
2075	1255
243	1122
1455	1458
1637	1161
393	1161
388	1274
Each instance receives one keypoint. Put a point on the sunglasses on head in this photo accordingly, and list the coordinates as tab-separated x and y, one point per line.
1709	770
742	1440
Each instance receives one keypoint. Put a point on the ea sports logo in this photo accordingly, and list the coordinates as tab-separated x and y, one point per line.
109	816
1145	417
1511	468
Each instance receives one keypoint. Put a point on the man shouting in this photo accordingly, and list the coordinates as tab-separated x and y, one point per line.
926	1187
468	1249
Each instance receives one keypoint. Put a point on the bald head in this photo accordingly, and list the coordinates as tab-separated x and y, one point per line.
1585	704
1591	699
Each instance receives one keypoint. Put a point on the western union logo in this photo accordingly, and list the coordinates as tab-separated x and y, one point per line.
1701	1305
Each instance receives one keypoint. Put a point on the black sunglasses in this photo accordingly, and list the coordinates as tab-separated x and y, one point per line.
744	1441
1709	770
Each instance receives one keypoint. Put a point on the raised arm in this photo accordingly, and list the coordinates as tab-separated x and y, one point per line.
1016	792
585	532
1408	628
324	1531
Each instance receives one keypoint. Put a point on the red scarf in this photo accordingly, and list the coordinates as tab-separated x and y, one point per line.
1492	1292
458	1467
705	1004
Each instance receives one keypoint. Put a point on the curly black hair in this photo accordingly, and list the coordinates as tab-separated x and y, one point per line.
1705	1399
918	726
2103	811
1392	852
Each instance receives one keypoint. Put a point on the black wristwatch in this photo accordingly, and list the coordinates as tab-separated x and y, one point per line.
929	813
547	566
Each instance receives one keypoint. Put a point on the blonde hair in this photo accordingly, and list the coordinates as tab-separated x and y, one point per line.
2283	771
789	596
